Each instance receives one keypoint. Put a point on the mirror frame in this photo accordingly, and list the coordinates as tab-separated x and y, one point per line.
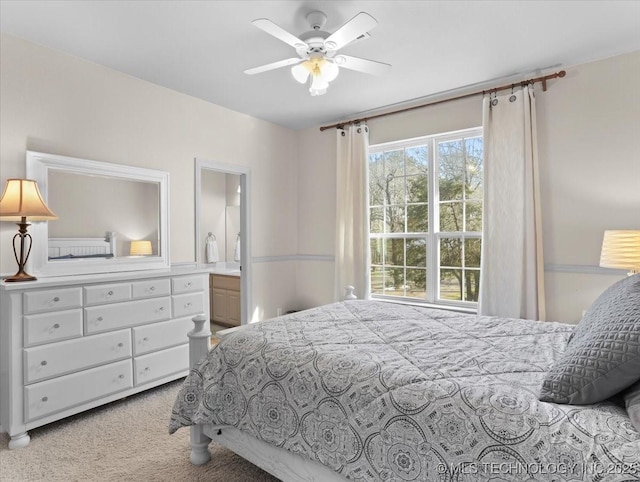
38	166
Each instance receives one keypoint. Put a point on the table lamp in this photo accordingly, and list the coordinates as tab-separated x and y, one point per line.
21	201
621	250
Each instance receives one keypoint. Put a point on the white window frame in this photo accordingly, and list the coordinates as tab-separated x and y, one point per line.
434	235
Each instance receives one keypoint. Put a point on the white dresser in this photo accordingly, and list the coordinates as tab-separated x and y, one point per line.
70	344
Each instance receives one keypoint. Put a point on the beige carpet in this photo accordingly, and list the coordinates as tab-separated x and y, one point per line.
125	440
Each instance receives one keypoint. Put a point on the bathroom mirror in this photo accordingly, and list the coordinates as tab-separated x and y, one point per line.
111	217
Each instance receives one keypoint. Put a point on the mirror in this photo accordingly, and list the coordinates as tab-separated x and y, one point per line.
111	217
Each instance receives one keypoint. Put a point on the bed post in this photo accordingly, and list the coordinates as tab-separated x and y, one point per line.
199	344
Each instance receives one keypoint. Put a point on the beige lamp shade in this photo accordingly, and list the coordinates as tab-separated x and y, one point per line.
140	248
22	199
621	249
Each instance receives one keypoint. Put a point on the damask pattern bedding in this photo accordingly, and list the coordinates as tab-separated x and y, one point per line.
381	391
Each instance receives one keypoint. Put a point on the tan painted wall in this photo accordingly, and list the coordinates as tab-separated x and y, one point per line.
55	103
589	143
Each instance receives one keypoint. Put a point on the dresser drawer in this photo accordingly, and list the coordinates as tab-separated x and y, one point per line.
61	393
55	326
130	313
189	304
150	288
100	294
161	335
147	368
49	300
55	359
187	284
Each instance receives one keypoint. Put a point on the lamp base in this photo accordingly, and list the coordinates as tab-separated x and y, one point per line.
21	259
20	276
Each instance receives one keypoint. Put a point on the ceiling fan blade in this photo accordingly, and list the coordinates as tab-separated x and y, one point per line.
279	33
274	65
351	30
362	65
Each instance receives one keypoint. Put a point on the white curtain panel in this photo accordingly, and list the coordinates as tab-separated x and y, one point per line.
512	267
352	212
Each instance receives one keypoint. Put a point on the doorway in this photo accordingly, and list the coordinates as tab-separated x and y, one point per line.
222	214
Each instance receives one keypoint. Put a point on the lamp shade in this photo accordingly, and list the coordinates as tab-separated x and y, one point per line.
621	249
140	248
22	199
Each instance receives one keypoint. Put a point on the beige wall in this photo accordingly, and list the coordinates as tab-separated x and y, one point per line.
589	129
589	143
52	102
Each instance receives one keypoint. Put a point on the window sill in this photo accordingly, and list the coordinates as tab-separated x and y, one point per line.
458	309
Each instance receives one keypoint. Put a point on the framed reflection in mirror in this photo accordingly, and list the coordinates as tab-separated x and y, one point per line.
111	217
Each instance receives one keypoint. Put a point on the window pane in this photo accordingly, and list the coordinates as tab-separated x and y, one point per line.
395	219
376	251
417	218
394	281
394	252
417	160
451	217
472	250
376	281
417	189
473	214
450	284
395	194
451	170
451	252
474	168
417	252
376	220
376	180
416	283
472	284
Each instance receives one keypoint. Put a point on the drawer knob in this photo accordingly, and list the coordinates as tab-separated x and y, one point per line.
99	319
188	284
120	345
56	299
110	293
45	399
161	308
147	369
152	288
56	326
145	339
188	305
121	377
43	363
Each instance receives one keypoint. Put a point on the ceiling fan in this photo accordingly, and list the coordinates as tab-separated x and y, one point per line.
318	59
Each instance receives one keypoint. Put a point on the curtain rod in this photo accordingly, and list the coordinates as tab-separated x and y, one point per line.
542	79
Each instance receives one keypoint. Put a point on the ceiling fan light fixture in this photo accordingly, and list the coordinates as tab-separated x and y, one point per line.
300	72
319	86
329	71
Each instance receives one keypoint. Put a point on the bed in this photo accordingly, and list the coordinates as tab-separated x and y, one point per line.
368	390
79	248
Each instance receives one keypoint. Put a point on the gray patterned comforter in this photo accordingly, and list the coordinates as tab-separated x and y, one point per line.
381	391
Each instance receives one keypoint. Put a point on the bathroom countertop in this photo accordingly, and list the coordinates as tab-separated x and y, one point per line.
226	269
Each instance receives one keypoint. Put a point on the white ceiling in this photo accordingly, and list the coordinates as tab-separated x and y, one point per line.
202	47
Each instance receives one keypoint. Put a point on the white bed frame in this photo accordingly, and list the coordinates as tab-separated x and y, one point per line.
279	462
82	246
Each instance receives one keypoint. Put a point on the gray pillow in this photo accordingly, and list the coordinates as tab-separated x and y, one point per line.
632	402
603	356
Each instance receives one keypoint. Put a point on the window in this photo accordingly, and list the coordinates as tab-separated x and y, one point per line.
425	198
